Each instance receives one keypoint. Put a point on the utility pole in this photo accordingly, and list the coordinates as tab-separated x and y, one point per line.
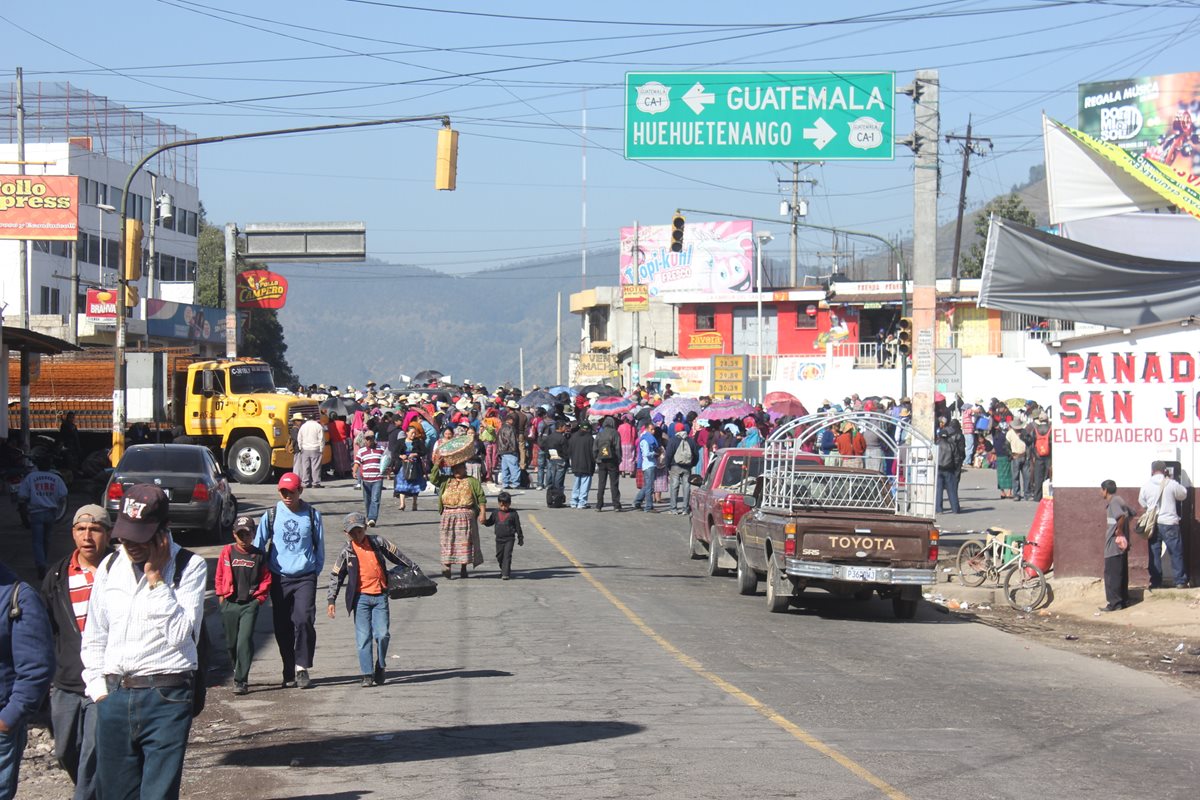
797	211
231	235
924	92
23	258
558	341
150	259
635	367
969	145
521	360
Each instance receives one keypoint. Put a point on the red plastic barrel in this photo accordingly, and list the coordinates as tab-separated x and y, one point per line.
1039	547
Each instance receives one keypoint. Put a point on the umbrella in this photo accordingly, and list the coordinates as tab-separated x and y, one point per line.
600	389
938	397
611	406
678	405
643	413
425	376
727	409
784	404
561	390
662	375
344	406
541	397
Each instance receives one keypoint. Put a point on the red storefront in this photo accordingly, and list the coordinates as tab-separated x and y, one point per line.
797	322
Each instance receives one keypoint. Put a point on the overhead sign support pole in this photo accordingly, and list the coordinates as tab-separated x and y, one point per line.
924	270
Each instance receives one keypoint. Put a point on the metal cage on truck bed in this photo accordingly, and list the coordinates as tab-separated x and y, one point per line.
900	478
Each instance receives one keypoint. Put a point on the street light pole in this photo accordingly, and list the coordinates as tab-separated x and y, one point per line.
762	237
119	367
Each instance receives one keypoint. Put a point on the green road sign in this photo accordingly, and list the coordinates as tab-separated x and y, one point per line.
781	116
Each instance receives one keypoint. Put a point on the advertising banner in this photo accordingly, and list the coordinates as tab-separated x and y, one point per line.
185	321
39	207
261	288
695	374
729	375
1153	116
716	257
101	304
635	297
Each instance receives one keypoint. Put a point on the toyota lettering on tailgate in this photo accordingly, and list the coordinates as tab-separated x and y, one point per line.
876	543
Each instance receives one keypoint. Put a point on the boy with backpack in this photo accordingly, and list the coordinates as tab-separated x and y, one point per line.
242	584
682	456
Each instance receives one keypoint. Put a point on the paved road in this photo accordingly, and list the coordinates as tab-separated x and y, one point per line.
612	667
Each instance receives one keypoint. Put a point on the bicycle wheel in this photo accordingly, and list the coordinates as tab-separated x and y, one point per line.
973	563
1025	587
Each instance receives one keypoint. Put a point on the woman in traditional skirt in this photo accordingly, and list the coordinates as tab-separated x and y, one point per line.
339	445
628	434
463	507
662	474
488	428
409	451
1003	455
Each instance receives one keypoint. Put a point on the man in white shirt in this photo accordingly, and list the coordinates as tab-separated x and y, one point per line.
139	651
1167	493
310	443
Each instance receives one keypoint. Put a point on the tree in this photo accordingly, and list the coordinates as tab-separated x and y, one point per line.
263	338
1007	207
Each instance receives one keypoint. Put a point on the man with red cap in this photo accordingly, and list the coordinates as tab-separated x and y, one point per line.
292	536
140	650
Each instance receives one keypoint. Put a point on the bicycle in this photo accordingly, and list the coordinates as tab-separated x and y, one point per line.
1002	562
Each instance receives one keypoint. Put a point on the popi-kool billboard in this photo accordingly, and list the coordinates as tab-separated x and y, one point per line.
1155	116
716	257
39	207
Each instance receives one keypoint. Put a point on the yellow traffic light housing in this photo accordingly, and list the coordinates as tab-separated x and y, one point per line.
677	233
904	332
133	249
446	172
131	296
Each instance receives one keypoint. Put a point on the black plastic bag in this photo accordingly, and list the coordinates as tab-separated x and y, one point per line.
407	580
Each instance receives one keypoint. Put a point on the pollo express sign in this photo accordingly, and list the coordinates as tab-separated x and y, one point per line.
39	207
260	288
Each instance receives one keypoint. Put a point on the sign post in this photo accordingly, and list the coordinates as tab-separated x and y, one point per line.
779	116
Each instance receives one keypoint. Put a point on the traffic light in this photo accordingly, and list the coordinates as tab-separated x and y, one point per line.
904	331
133	249
446	171
131	296
677	233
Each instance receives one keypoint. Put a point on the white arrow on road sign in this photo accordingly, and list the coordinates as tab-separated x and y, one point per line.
821	133
697	98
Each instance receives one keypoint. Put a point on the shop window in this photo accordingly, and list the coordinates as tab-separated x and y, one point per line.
706	318
804	320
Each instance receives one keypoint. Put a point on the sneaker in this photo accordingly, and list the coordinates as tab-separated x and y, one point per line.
370	523
302	679
288	683
367	682
504	577
380	676
240	687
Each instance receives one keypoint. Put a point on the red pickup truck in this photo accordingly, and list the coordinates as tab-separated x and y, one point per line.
718	504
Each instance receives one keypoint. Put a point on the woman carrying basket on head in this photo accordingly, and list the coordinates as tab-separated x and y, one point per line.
461	503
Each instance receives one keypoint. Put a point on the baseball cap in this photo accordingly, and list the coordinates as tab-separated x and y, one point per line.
356	519
243	524
368	434
289	481
92	513
143	513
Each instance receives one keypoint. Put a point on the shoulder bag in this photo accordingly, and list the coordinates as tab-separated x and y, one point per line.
1146	522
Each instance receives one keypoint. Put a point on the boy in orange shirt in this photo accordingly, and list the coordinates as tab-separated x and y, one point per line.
361	567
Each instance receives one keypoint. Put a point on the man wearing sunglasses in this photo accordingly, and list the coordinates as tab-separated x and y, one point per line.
292	536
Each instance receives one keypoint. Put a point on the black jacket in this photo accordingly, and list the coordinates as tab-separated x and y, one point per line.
68	670
610	436
579	450
554	440
673	445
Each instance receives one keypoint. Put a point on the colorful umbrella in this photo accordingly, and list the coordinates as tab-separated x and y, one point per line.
784	404
662	375
611	406
727	409
678	405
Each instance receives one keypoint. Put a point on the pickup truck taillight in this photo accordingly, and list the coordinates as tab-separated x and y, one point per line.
727	510
115	491
933	544
789	539
200	493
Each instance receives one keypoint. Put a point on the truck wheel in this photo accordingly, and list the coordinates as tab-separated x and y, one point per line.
714	568
747	578
778	596
249	460
904	607
695	548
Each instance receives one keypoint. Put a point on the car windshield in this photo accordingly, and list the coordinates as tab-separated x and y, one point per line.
251	379
741	468
163	460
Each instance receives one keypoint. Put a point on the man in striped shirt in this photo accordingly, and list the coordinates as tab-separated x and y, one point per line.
368	468
67	589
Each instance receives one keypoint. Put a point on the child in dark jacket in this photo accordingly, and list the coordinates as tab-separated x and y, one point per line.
242	583
508	530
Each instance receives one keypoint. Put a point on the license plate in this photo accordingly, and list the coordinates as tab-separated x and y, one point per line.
864	574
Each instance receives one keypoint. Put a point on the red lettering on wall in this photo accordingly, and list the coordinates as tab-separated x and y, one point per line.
1068	407
1175	415
1095	412
1094	371
1122	403
1152	371
1070	363
1183	368
1124	367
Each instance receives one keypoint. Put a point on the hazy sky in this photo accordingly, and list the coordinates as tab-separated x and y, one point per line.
516	78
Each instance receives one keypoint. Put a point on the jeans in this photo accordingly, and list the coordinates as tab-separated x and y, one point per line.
1039	470
73	717
12	745
1019	477
510	471
294	614
141	737
556	474
579	491
371	624
970	438
1168	535
372	491
41	522
238	620
677	477
647	491
948	480
608	472
543	459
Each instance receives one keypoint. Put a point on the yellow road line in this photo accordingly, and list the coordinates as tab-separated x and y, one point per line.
695	666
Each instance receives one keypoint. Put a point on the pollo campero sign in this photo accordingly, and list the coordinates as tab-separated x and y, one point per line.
260	288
